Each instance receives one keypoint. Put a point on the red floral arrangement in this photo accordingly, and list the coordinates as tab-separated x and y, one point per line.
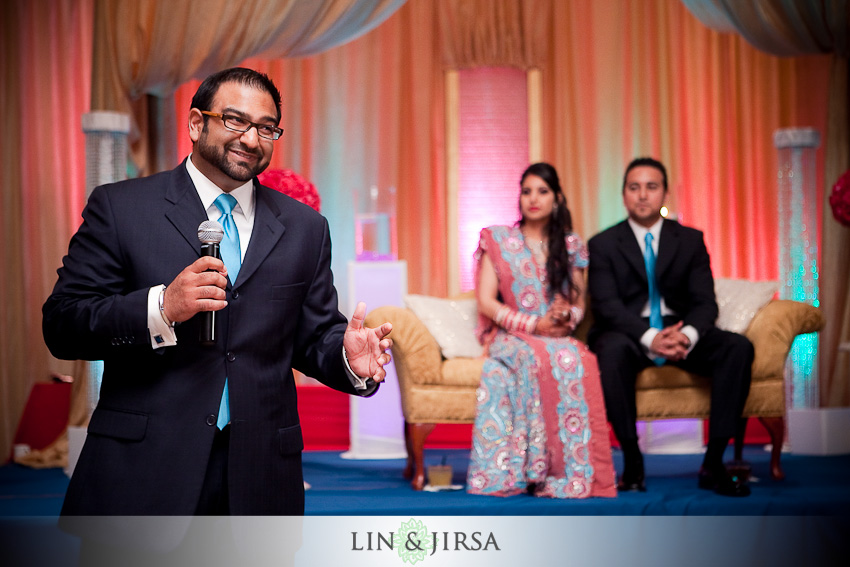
290	183
839	200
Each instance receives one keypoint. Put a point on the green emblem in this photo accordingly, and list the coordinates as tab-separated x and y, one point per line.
412	541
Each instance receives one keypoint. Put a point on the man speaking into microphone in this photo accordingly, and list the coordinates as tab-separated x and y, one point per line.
186	426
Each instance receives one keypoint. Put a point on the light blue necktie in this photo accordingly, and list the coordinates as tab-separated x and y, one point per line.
231	255
655	319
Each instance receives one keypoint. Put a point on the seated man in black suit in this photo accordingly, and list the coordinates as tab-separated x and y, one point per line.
649	311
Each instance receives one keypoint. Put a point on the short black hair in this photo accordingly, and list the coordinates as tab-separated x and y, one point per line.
205	94
646	161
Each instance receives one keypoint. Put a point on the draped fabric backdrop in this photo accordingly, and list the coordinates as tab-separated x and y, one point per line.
793	29
177	40
619	78
45	69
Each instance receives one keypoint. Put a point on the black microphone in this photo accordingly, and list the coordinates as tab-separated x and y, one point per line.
210	234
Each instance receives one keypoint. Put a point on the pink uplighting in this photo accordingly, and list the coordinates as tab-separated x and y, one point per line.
493	146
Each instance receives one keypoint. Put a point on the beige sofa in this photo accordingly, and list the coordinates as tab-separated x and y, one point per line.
438	390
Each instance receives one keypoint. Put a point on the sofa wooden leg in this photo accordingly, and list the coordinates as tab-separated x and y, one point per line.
408	444
414	437
739	439
776	427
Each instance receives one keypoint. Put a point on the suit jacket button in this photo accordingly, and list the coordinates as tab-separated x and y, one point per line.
235	294
211	420
231	357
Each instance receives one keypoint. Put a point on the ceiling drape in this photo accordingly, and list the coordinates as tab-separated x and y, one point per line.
147	48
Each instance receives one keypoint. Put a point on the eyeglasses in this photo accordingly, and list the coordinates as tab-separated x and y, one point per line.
239	124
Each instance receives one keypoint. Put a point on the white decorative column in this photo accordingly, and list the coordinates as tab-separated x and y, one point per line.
798	252
106	162
376	424
812	430
106	147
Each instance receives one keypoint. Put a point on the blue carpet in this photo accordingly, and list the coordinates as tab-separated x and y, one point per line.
813	486
814	501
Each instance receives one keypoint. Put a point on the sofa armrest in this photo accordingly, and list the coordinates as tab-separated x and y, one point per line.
772	332
415	352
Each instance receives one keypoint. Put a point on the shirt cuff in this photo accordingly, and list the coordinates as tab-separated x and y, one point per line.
162	334
647	338
364	385
691	332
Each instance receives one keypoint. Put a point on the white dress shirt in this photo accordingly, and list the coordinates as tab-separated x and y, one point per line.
162	334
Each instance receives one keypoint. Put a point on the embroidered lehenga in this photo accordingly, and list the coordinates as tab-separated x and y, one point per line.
541	424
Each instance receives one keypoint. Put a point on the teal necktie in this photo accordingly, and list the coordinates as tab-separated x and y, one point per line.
231	255
655	319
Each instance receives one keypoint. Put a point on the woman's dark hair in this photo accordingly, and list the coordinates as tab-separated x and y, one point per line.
205	94
558	268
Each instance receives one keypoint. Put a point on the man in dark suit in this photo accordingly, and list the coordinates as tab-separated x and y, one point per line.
631	331
183	428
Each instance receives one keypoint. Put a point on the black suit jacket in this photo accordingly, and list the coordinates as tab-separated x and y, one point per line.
151	433
618	286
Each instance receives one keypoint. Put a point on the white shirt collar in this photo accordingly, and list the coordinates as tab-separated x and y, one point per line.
640	232
209	191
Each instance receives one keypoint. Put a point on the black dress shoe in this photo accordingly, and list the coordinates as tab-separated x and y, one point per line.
722	483
631	483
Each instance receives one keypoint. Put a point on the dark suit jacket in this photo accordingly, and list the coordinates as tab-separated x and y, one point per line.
618	286
151	433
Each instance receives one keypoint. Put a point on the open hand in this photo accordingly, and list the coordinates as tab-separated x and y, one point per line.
366	348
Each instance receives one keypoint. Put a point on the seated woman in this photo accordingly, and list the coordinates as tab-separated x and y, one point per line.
541	424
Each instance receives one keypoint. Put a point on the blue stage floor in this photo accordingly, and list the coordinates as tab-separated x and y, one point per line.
814	501
815	486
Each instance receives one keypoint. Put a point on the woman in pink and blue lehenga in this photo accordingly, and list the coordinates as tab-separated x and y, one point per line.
541	426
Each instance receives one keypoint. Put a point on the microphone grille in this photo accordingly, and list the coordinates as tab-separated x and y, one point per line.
210	231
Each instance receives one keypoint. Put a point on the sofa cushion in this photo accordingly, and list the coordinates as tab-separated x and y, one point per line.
462	372
668	376
450	321
738	301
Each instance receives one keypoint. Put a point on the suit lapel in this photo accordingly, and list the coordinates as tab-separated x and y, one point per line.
668	243
187	212
630	249
268	230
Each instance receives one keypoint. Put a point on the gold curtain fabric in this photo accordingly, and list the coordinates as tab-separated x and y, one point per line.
150	47
482	33
794	28
835	255
45	72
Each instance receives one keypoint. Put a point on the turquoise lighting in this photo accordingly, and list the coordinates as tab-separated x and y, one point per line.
798	266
